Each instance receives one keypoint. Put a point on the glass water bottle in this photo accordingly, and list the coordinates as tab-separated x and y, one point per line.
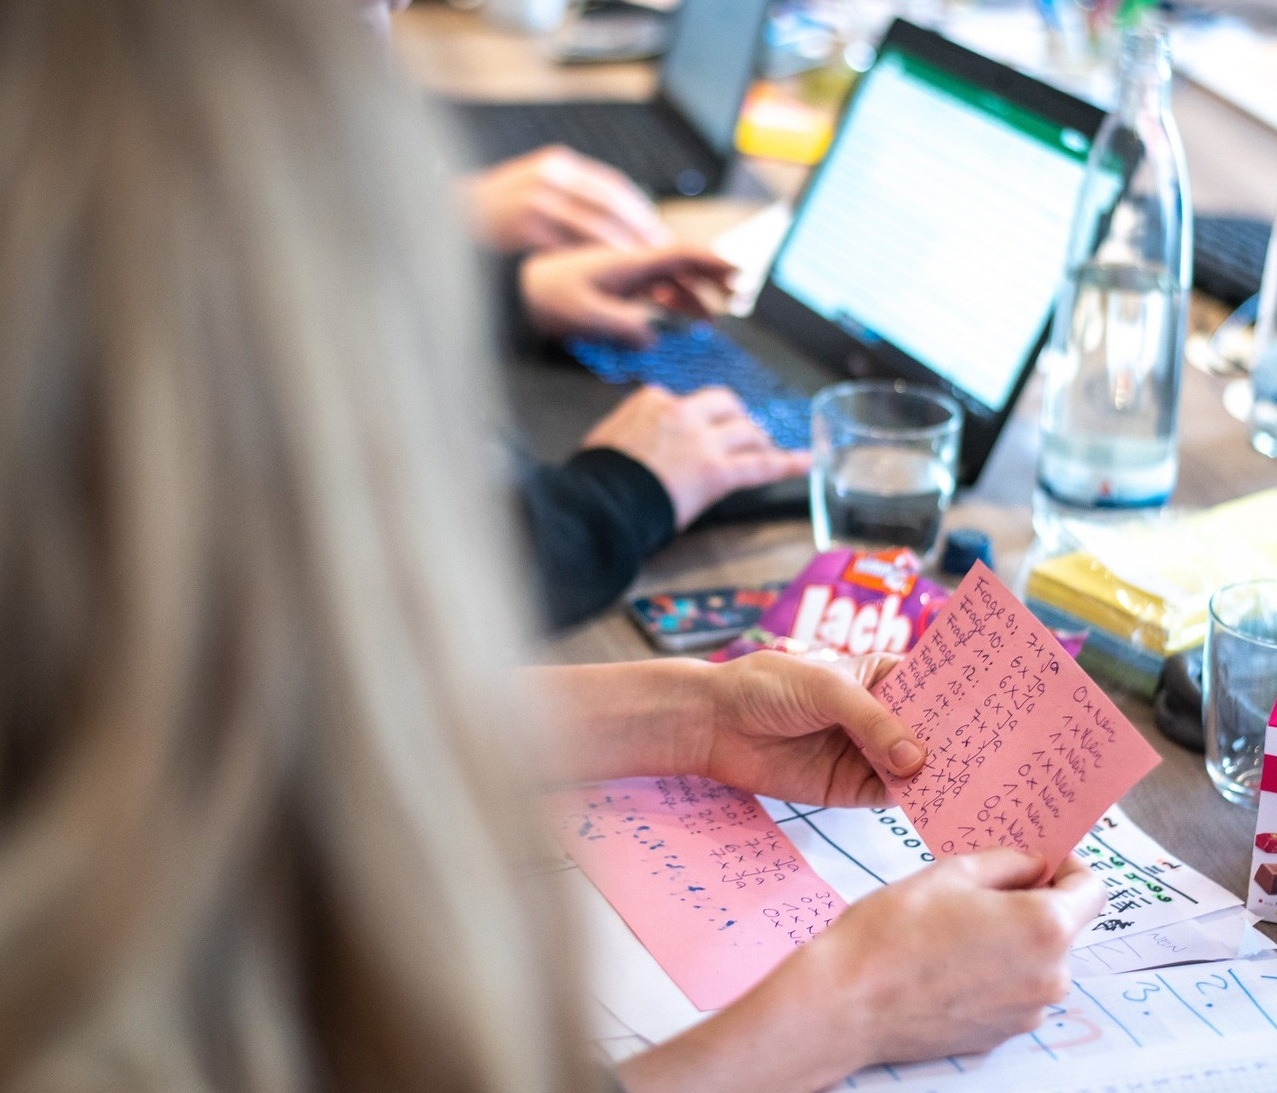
1113	360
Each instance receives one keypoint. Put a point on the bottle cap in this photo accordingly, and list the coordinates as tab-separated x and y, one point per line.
963	547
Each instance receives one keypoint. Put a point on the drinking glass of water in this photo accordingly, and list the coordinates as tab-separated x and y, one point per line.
884	465
1239	685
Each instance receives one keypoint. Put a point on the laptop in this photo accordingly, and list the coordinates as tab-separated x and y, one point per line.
927	247
681	142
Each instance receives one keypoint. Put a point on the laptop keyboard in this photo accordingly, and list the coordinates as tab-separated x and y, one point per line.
697	356
630	136
1228	255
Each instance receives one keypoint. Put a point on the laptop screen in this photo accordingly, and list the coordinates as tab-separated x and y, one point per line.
938	223
710	63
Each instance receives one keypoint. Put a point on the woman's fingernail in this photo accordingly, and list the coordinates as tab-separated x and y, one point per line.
905	754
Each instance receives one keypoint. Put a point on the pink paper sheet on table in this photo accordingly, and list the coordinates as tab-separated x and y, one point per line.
700	873
1023	749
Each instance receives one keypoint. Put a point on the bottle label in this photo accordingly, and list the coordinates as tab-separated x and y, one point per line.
1111	472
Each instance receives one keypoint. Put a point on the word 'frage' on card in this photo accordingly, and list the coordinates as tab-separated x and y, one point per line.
1023	748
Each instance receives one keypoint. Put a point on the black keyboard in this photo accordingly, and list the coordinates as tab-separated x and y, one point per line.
631	135
1228	255
634	137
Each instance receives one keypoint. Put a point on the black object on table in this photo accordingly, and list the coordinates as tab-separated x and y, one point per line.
1177	706
1228	255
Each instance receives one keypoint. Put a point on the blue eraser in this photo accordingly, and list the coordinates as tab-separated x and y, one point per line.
963	547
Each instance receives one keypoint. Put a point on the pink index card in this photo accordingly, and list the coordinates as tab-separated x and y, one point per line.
700	873
1023	748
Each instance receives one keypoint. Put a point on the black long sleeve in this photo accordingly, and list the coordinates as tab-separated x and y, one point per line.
591	523
594	520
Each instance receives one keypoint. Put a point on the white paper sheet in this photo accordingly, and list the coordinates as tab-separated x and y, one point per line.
858	850
1235	62
1220	936
750	246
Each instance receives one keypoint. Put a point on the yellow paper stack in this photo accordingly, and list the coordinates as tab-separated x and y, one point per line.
1142	588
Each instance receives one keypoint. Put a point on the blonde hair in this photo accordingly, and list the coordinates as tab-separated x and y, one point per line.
259	822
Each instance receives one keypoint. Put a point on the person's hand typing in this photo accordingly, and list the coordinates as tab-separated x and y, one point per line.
602	292
700	446
555	197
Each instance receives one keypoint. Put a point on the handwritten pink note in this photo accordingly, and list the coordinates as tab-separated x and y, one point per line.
1023	749
700	873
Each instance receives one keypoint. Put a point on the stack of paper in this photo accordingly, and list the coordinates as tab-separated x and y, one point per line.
1142	589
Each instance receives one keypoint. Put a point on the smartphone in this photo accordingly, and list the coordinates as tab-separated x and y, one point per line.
696	619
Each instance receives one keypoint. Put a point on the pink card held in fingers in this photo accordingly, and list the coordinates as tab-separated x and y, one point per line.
1023	748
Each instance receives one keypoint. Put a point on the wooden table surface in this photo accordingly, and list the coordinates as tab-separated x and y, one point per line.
1232	166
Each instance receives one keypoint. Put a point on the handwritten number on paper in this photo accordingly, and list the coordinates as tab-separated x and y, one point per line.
987	692
1141	992
1213	982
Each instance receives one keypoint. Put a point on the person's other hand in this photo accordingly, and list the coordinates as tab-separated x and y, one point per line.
700	446
954	959
555	197
607	293
788	727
